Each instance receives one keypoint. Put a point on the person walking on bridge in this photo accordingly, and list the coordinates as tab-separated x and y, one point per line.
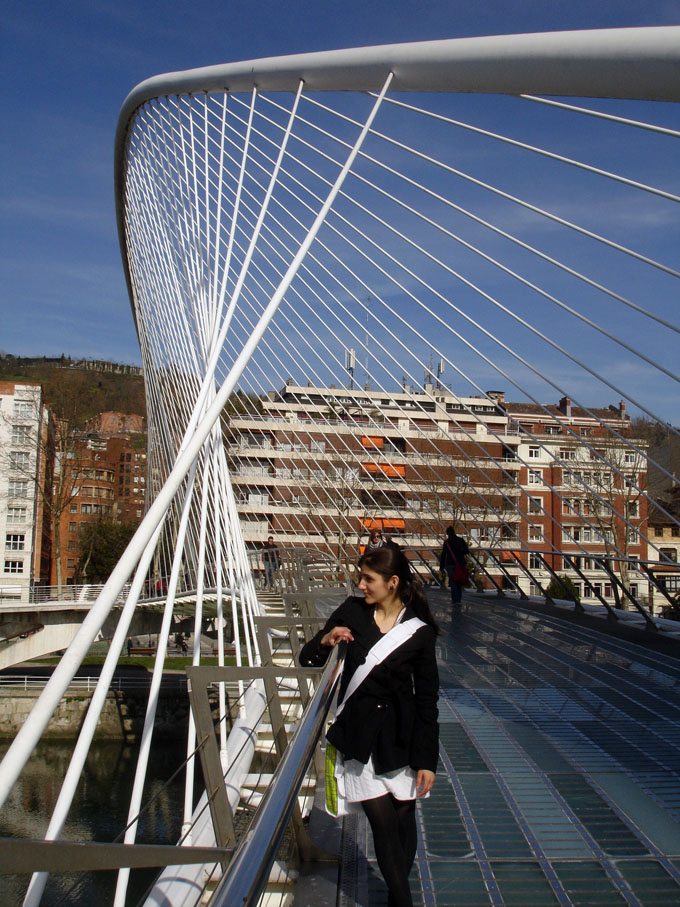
385	729
271	560
452	561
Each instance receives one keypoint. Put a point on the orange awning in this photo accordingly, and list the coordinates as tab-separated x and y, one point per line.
508	556
385	469
383	523
371	441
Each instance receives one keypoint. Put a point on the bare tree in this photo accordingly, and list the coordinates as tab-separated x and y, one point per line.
610	497
55	472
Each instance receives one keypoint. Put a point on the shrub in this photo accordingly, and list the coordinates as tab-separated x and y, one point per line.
564	588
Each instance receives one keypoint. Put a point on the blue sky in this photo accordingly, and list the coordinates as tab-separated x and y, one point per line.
67	66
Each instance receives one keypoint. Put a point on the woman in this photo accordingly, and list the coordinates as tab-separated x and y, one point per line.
387	731
375	540
452	560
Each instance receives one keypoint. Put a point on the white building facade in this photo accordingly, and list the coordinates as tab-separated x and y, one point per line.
23	427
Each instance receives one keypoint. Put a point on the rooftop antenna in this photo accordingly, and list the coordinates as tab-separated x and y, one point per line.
440	372
368	303
350	365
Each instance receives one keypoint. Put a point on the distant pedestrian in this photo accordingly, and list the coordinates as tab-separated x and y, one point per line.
271	560
375	541
129	646
452	561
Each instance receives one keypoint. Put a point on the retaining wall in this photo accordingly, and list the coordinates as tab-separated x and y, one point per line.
122	717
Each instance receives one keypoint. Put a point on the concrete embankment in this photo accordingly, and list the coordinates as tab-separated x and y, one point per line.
122	717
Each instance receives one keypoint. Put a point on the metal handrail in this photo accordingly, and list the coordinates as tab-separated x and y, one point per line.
176	682
248	871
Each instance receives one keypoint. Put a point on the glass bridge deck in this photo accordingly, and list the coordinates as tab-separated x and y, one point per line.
559	772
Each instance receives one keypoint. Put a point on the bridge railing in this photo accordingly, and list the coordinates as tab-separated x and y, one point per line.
12	682
615	583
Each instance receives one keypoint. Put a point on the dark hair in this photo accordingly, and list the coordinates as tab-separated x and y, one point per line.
451	532
390	561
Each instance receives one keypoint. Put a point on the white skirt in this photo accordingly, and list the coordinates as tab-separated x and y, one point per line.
361	782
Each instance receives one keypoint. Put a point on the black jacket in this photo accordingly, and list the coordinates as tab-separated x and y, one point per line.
453	551
392	716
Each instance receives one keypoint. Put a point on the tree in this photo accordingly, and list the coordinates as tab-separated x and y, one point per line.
102	543
611	498
562	587
55	471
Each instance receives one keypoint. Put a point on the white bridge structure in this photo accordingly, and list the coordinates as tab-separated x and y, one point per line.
502	211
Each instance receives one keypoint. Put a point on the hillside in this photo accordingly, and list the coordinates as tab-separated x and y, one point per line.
94	386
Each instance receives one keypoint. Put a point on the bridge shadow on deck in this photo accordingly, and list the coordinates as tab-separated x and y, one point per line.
559	772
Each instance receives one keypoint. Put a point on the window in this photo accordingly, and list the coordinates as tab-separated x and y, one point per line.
23	409
668	555
633	588
535	533
629	457
535	562
21	434
73	508
632	535
72	545
15	541
16	514
19	459
86	508
535	477
567	453
534	453
553	430
535	505
630	479
14	566
597	453
72	527
17	488
658	530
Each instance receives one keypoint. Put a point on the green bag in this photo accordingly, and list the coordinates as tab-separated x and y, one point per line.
331	780
336	804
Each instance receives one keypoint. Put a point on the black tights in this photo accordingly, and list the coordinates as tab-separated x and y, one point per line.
393	823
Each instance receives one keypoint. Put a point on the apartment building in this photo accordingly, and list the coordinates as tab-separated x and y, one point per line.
106	475
125	438
664	558
24	476
533	488
585	479
90	480
322	466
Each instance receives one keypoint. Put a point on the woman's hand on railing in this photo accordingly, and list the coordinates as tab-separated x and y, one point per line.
336	635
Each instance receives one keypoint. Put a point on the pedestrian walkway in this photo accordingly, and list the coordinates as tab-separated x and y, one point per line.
559	773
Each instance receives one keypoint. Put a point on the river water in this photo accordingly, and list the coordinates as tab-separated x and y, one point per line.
99	813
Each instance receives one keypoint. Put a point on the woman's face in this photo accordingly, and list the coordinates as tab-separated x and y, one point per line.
375	587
